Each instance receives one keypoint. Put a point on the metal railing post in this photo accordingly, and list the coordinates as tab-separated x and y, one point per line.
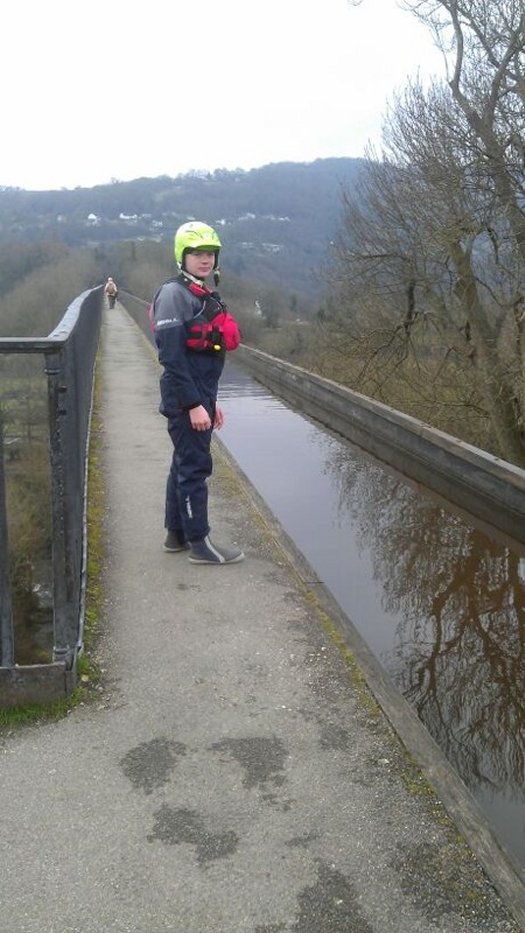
6	615
63	648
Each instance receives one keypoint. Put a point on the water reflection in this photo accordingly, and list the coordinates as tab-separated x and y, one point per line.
441	603
459	598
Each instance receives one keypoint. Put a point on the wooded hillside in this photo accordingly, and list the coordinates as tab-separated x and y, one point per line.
275	222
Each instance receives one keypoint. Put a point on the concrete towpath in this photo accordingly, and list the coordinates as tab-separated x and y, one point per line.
233	773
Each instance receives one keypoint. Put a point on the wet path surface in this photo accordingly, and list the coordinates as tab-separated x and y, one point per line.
439	602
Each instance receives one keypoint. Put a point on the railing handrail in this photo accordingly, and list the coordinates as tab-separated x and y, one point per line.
58	336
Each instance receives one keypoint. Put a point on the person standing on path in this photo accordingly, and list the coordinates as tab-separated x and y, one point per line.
111	291
193	330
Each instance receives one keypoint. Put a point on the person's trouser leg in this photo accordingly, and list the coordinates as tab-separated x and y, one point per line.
187	490
172	517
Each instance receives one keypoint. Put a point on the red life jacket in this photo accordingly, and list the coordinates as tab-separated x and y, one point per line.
213	328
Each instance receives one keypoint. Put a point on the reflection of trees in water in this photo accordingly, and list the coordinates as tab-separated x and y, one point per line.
459	652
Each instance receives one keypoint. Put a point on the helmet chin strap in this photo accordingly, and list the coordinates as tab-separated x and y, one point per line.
194	278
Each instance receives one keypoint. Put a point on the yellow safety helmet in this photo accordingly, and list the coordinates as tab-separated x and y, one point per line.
196	235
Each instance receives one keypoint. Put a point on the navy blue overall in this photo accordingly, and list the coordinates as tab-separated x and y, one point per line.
190	378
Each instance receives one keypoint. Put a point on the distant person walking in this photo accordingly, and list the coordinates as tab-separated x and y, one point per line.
111	291
193	330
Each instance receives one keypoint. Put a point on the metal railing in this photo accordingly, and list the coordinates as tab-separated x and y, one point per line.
68	355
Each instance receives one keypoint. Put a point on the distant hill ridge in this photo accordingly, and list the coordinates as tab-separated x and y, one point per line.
275	222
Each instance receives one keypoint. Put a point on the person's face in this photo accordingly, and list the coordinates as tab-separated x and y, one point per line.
199	262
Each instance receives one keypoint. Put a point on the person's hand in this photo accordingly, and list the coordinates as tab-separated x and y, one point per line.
219	418
200	419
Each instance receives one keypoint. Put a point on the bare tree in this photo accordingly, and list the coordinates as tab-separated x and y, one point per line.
436	233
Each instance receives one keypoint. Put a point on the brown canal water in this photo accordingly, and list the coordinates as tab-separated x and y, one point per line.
440	602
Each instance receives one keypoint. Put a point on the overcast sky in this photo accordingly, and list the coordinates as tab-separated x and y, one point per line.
111	90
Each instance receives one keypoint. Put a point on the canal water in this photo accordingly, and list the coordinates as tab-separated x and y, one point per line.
440	602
